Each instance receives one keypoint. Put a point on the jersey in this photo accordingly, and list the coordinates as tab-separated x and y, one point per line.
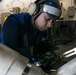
18	30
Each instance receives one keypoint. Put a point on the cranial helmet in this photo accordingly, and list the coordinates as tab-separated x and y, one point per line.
51	7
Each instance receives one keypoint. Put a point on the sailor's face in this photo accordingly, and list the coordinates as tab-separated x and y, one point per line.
43	22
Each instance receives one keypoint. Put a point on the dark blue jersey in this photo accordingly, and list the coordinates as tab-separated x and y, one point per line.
19	33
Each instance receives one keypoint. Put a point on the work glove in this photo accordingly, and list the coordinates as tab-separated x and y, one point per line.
46	46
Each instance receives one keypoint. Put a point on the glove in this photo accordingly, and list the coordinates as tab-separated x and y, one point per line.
45	46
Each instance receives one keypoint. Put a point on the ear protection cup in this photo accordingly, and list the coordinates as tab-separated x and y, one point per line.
32	8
